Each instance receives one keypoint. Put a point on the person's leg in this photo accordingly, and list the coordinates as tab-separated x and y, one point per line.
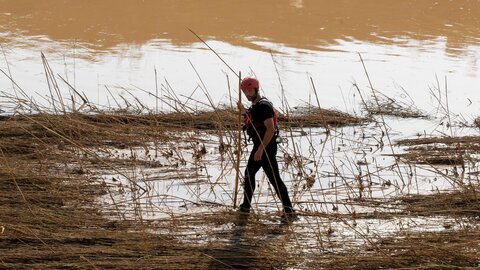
270	166
249	183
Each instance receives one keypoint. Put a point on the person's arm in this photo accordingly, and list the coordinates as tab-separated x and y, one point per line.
269	133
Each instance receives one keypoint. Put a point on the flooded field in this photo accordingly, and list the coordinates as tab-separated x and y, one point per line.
118	134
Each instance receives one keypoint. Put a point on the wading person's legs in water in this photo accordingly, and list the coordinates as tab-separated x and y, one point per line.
270	166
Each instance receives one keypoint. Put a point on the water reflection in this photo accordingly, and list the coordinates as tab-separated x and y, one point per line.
307	24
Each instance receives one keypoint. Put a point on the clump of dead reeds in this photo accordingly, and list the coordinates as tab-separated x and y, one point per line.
465	202
440	150
318	117
476	122
381	104
427	250
76	125
384	105
428	156
456	246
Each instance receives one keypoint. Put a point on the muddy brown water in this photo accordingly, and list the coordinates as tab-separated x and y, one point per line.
296	23
407	45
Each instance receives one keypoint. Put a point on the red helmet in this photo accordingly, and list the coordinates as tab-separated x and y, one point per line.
249	83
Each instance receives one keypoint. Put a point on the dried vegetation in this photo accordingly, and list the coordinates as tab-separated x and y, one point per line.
441	150
52	218
52	215
50	212
391	107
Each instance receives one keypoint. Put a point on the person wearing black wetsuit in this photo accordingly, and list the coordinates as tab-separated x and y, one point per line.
261	127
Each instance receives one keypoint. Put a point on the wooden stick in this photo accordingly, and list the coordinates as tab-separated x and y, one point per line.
208	46
237	165
239	141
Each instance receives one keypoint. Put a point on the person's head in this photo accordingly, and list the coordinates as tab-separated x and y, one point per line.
250	88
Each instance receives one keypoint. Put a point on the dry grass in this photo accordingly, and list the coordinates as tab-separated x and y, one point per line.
54	215
440	150
50	212
451	248
319	117
384	105
459	203
431	250
51	215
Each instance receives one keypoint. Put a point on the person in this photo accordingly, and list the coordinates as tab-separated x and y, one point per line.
261	127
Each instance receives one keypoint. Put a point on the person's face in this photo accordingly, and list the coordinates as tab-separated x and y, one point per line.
250	94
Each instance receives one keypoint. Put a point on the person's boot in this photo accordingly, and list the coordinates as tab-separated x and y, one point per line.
288	217
243	209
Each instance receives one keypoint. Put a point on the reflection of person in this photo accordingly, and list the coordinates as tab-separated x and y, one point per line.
261	127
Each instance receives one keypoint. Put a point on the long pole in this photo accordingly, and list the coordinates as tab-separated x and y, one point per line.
239	138
210	48
239	141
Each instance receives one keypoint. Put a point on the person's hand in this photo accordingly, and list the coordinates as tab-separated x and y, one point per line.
241	107
258	154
